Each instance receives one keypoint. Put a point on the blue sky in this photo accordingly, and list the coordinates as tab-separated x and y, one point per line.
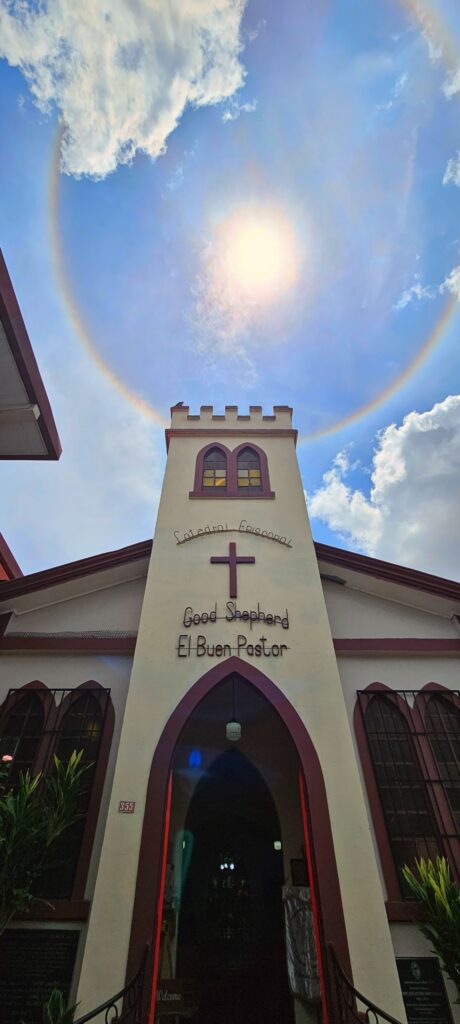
336	125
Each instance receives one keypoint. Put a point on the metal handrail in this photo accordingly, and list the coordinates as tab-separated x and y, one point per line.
347	997
130	998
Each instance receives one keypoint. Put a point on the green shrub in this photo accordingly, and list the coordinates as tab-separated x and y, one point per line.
55	1011
433	885
33	815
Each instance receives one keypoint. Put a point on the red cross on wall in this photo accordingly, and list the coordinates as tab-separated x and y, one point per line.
232	560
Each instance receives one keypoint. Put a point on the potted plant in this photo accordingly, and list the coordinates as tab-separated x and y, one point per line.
33	814
433	885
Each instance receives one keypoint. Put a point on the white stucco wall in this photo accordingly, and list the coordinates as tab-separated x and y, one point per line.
356	614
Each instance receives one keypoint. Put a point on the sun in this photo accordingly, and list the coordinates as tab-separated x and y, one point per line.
259	254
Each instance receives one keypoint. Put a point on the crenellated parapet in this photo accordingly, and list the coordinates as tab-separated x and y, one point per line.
231	418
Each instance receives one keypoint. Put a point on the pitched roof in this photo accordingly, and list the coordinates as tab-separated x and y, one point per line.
74	570
338	557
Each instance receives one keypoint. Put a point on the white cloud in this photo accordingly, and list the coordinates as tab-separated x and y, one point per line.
451	88
235	109
411	513
423	18
417	291
452	281
121	73
452	172
103	492
396	92
452	84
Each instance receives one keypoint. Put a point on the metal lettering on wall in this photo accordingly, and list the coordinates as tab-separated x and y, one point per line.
252	647
182	537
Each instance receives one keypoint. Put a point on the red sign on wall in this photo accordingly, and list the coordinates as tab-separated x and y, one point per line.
126	806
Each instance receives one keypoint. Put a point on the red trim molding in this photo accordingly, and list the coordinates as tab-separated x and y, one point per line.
23	355
230	432
405	910
68	644
7	561
148	884
60	910
389	571
75	570
231	490
396	645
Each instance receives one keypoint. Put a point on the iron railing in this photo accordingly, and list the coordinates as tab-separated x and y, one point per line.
350	1006
126	1006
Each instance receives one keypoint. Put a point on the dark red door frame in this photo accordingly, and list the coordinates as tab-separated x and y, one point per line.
146	910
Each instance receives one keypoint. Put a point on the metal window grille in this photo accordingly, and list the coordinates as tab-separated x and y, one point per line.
414	744
21	732
38	724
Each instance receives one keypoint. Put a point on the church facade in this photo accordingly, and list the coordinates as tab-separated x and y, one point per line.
273	730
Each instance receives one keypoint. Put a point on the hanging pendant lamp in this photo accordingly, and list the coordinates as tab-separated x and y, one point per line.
233	728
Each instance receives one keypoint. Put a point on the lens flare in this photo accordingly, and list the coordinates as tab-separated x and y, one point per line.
259	254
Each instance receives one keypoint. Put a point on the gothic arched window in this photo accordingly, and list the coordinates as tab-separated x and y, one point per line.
241	473
408	815
214	470
248	470
443	727
81	729
21	733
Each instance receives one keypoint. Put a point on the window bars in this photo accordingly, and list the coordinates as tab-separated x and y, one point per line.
36	724
414	745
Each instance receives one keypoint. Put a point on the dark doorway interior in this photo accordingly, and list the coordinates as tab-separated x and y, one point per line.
231	945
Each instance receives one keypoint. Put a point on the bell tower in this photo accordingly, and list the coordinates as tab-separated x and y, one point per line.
233	580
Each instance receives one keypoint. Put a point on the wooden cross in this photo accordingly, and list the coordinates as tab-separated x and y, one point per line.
232	560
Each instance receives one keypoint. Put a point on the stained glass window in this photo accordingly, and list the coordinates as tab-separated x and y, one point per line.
249	477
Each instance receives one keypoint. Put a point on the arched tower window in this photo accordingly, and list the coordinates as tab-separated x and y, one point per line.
408	815
81	729
214	471
241	473
443	726
21	733
249	473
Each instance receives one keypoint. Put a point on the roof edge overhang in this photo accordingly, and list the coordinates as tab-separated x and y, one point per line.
388	571
74	570
400	575
8	562
23	355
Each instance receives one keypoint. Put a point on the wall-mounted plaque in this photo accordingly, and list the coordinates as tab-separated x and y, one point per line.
126	806
423	989
33	961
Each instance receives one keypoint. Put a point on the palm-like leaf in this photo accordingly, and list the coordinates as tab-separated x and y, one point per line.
55	1010
32	817
440	895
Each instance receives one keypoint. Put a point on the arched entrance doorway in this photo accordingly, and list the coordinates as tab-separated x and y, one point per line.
231	950
237	943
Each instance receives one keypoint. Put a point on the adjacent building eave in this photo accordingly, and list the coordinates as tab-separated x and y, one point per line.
8	562
27	427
